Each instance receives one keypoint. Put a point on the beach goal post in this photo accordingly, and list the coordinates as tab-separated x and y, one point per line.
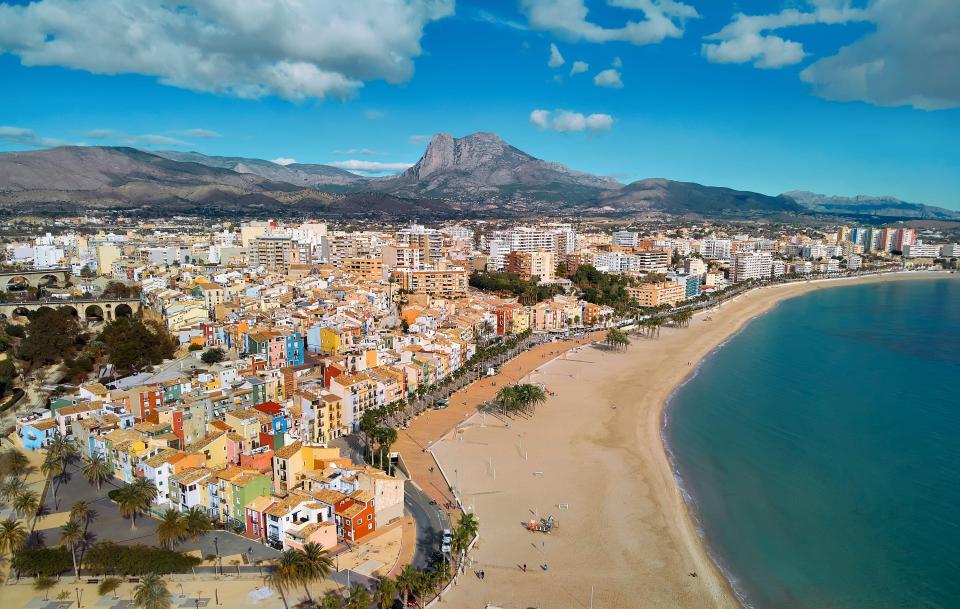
563	506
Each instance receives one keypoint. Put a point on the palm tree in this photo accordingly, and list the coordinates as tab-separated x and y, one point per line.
407	583
172	529
11	487
13	463
197	522
469	524
282	577
131	502
12	536
507	397
96	470
62	448
359	598
316	564
386	593
71	535
52	467
152	593
26	503
146	491
81	512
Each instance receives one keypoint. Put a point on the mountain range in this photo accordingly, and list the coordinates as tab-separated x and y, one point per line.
477	175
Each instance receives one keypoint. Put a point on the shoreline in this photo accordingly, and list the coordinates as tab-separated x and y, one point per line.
669	546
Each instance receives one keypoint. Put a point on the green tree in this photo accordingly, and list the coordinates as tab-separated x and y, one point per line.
51	337
359	598
43	583
386	593
26	504
13	463
109	585
8	372
53	467
12	536
152	593
172	528
407	583
11	487
133	499
212	356
197	522
96	470
132	344
317	564
71	535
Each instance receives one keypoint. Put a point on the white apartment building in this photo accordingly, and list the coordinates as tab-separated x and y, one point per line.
922	250
716	249
755	265
625	238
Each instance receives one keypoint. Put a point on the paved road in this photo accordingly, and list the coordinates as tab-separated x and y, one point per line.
430	520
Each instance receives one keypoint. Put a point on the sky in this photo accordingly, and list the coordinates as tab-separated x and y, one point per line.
840	97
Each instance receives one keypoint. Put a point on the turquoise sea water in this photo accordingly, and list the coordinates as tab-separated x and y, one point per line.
821	450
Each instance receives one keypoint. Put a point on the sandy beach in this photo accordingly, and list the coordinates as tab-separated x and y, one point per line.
592	457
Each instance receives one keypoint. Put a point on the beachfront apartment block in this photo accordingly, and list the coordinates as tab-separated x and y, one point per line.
448	282
656	294
755	265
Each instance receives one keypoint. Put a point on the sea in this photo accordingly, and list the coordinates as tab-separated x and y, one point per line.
819	450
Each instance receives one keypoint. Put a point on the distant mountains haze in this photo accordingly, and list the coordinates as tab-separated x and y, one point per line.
479	174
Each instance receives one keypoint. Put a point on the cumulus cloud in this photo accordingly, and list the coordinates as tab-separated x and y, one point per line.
370	167
579	67
288	48
556	59
617	62
565	121
283	161
748	39
568	19
609	78
21	136
911	59
360	151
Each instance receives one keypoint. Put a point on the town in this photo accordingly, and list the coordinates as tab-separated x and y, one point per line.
253	378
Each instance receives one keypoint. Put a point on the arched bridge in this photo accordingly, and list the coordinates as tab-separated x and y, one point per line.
11	281
106	309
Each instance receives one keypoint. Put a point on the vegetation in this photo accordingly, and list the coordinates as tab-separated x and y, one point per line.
39	561
135	498
520	398
8	372
152	593
296	568
117	289
51	336
175	526
132	344
510	283
109	585
96	470
617	339
110	558
373	425
12	536
603	288
212	356
43	583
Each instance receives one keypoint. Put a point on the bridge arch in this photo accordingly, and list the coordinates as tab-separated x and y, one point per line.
48	280
69	309
122	310
94	312
21	311
17	283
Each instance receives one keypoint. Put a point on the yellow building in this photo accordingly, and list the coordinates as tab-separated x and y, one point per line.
331	340
292	461
656	294
213	448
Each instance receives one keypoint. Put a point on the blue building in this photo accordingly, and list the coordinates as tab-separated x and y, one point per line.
295	349
693	286
37	434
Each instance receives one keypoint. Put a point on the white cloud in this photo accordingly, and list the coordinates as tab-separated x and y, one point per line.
370	166
374	115
283	161
556	59
617	62
195	133
747	38
146	140
568	19
579	67
21	136
288	48
565	121
609	78
418	139
361	151
911	59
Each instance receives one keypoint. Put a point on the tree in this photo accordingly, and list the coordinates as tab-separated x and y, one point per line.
12	536
71	535
386	593
8	372
53	467
82	512
51	336
359	598
13	463
317	564
617	339
132	344
469	523
11	487
288	572
43	583
133	499
109	585
212	356
407	583
96	470
172	528
197	522
152	593
26	504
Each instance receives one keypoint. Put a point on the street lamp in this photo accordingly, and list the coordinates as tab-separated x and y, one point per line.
78	598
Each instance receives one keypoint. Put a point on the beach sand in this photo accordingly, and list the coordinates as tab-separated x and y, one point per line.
593	457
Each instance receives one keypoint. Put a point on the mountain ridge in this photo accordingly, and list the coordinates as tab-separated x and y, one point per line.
479	174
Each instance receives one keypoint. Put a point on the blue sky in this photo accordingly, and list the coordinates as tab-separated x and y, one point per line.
833	96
